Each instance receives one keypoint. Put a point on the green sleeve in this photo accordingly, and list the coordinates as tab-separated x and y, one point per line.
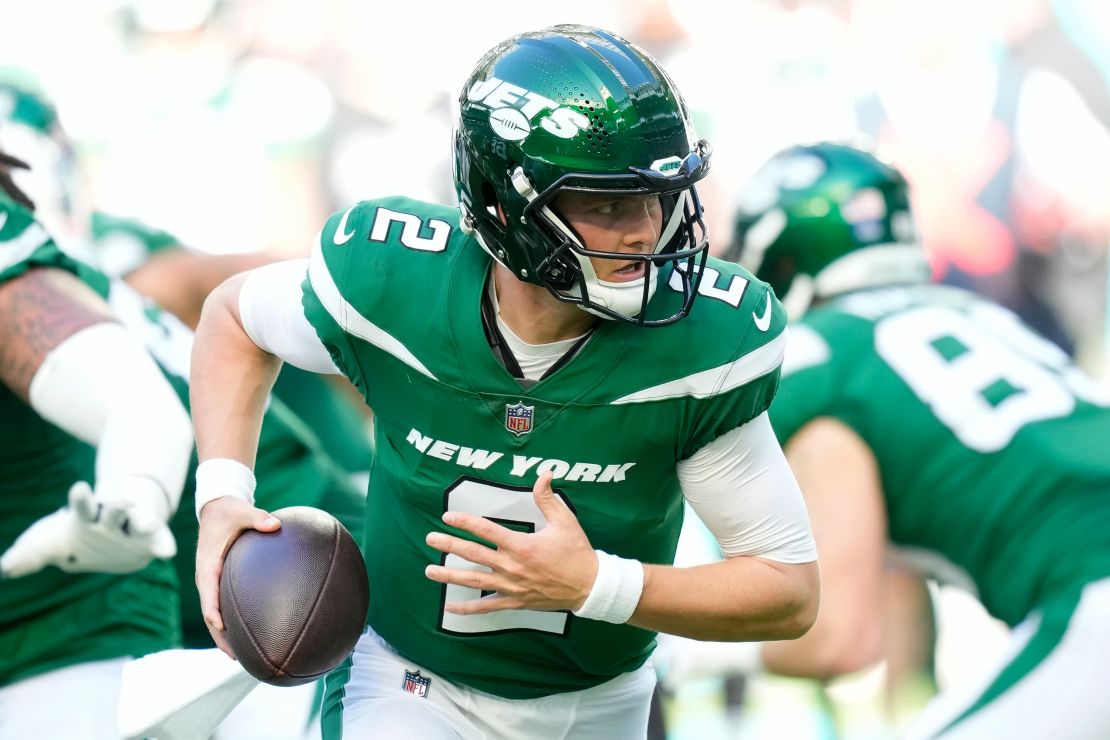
758	359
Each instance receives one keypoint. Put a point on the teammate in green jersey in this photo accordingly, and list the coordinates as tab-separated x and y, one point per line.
926	417
543	381
156	264
294	466
86	411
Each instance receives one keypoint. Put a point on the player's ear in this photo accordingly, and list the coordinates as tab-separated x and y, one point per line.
501	214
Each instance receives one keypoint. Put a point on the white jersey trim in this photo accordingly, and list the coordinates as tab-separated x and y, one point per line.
350	320
23	245
724	378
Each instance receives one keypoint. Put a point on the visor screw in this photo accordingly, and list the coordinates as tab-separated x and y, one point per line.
524	273
501	253
523	220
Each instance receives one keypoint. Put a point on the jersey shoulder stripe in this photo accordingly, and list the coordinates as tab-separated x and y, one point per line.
721	379
347	316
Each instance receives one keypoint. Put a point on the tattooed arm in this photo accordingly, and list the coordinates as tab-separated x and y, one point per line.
61	352
39	310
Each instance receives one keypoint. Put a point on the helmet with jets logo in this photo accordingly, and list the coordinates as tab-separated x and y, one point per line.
824	219
571	108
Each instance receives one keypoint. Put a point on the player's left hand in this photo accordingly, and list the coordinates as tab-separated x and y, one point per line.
547	570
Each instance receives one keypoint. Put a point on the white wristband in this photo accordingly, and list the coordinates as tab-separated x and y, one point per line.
616	590
222	476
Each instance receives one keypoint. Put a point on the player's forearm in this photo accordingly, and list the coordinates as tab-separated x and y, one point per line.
847	636
824	653
741	598
179	280
231	378
102	386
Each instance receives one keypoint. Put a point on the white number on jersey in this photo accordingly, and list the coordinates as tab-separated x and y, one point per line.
732	294
983	374
410	233
512	507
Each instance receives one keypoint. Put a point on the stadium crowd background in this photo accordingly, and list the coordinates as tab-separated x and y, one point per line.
239	125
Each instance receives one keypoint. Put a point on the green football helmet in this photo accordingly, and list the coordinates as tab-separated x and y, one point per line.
824	219
576	108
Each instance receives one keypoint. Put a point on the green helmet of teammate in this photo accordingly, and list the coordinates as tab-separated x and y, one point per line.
576	108
824	219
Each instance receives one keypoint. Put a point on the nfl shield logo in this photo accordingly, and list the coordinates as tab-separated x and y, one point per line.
518	418
416	684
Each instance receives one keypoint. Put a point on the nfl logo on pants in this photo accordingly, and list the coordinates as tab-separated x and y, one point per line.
416	684
518	418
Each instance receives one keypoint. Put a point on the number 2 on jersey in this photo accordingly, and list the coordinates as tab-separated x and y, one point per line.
510	507
411	230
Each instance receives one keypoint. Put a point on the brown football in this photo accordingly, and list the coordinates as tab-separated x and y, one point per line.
294	601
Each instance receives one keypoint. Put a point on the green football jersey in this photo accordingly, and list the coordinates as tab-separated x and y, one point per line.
991	445
52	619
122	245
394	291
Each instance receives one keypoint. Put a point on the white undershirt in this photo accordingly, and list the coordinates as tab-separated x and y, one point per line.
739	484
533	359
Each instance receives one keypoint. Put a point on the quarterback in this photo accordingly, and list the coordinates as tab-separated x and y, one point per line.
553	365
929	418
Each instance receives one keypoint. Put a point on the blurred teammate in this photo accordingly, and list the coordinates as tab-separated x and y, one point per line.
926	417
504	352
156	264
295	467
86	417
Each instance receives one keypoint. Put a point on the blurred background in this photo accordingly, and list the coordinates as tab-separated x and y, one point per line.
239	125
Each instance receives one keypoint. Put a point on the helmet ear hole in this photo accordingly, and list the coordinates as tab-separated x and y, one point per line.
493	206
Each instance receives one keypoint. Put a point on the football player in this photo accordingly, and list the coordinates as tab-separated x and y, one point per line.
155	262
924	416
547	387
295	466
88	419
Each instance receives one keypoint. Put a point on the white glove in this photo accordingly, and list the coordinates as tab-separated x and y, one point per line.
119	528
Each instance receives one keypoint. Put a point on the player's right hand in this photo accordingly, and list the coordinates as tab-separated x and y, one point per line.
115	529
221	521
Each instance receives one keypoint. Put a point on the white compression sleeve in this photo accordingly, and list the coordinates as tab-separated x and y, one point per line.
101	386
742	488
271	312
